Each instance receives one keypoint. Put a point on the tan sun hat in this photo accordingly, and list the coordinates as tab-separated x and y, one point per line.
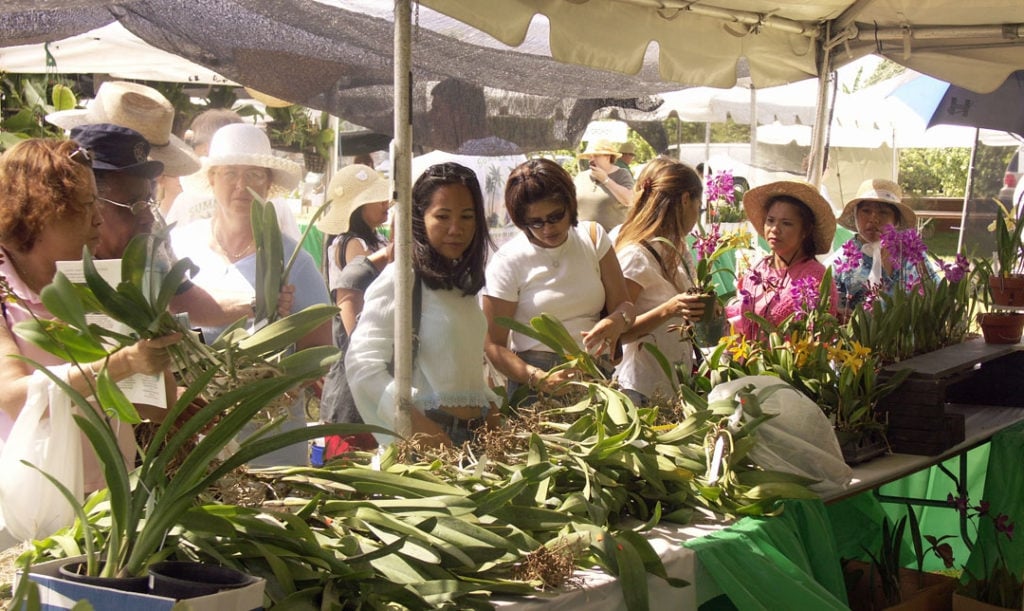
627	148
755	202
245	144
143	109
601	147
352	187
878	190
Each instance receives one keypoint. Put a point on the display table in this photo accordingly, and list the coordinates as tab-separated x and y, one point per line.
792	561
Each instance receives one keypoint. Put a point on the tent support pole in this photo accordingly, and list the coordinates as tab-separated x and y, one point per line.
969	191
401	176
815	168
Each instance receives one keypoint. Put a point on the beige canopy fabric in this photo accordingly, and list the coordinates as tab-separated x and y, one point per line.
973	44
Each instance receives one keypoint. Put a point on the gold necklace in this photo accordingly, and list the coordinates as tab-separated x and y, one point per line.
233	256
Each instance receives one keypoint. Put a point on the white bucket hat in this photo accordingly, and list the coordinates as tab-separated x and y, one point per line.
143	109
352	187
244	144
879	190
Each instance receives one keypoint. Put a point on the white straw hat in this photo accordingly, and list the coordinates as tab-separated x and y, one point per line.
244	144
878	190
143	109
351	187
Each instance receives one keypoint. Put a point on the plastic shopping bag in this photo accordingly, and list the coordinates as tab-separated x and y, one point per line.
45	435
798	440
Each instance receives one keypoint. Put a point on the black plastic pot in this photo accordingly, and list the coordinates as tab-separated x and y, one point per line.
179	580
74	571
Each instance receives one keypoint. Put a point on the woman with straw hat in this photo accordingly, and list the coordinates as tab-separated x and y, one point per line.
604	192
863	265
241	163
798	224
358	201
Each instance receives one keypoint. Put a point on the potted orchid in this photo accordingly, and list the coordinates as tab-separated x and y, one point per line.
1006	270
990	581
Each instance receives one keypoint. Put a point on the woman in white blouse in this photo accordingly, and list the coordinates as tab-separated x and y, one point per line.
450	396
666	202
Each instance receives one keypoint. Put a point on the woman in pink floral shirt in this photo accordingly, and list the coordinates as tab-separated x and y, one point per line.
798	224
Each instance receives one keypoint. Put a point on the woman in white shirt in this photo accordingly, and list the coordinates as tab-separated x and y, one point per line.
450	396
666	202
556	266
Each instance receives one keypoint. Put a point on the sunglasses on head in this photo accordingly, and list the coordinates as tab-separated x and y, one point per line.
551	219
82	156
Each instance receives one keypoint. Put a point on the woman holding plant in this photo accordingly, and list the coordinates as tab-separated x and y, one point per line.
867	263
557	266
798	224
658	267
450	241
241	164
48	214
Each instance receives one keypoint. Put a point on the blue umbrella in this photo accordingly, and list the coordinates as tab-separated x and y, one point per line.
941	103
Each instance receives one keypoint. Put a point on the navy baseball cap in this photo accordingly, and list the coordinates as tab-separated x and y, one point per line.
117	149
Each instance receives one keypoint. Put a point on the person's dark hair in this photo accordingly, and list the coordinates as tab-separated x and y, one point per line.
538	180
358	227
806	215
466	274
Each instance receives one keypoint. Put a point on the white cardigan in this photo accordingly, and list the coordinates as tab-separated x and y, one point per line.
449	361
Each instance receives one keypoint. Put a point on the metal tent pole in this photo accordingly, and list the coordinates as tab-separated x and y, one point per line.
401	176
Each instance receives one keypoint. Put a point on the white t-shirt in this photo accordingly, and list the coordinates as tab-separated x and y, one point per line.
639	370
564	282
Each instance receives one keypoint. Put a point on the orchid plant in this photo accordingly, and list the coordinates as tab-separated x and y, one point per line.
1009	253
997	583
923	307
723	203
711	246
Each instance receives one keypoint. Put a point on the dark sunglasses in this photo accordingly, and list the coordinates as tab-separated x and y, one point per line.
137	208
82	156
551	219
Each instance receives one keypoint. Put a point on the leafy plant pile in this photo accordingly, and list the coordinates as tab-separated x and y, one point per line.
574	486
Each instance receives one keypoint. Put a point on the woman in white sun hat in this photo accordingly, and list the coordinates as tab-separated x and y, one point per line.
862	265
358	199
798	224
240	160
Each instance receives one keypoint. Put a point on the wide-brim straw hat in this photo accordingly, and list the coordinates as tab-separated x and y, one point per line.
755	202
143	109
601	147
878	190
245	144
351	187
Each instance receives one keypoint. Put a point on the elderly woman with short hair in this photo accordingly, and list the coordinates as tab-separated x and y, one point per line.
47	214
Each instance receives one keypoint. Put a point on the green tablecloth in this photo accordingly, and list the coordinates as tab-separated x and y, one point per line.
786	562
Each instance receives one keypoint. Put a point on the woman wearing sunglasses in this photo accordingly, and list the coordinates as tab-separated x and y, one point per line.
557	266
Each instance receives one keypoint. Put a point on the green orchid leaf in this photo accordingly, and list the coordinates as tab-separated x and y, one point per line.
284	332
61	340
62	300
113	400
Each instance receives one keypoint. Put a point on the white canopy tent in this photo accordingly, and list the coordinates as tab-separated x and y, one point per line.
331	55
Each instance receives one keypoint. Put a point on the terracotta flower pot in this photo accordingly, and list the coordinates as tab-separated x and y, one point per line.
1002	327
1007	290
